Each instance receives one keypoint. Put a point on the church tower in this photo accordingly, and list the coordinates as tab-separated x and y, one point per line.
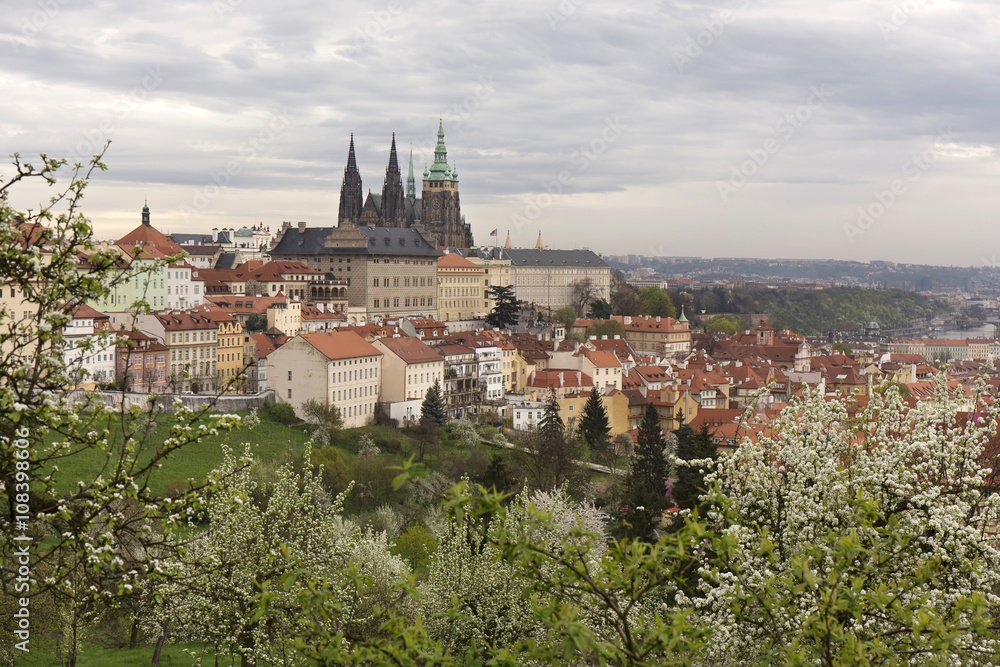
441	211
393	206
351	195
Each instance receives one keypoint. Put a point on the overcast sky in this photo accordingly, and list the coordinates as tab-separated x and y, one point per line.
838	129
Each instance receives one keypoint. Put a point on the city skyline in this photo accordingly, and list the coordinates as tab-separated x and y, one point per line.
852	130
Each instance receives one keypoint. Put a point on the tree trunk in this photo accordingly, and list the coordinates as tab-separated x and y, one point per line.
159	645
133	638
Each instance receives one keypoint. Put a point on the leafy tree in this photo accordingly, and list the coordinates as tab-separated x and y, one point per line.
723	324
582	294
600	310
656	302
594	426
255	288
433	406
256	322
566	316
327	418
609	328
843	348
624	297
506	313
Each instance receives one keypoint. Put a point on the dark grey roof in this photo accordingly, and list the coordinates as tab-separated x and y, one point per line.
533	257
412	210
201	249
381	241
191	239
227	260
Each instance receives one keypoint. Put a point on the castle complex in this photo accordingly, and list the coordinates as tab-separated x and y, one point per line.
436	215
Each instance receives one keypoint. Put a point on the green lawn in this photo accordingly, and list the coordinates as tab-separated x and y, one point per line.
268	441
43	652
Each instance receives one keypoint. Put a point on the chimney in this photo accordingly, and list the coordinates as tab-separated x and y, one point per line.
627	320
617	337
604	337
657	318
215	234
579	378
560	378
302	227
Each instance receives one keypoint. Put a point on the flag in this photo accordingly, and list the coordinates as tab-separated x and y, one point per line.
494	232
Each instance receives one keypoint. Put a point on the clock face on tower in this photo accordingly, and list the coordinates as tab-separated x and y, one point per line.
436	205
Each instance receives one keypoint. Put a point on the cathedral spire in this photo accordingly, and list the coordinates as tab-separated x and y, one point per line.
393	162
351	193
145	213
352	164
393	205
411	186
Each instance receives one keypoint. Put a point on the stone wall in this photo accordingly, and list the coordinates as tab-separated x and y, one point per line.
165	402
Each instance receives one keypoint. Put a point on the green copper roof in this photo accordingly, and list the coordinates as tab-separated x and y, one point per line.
411	189
440	171
682	318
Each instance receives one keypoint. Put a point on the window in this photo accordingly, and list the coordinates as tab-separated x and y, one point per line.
289	376
289	393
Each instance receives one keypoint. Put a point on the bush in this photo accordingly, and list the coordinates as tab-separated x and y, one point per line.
415	546
283	413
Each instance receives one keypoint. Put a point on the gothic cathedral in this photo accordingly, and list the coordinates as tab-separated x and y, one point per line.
437	214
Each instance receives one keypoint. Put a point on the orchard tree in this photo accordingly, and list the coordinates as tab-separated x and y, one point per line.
93	540
860	538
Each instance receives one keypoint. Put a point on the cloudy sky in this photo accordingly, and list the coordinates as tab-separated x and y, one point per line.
773	128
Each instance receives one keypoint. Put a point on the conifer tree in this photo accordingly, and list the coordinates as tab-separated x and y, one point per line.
649	467
551	427
433	405
692	446
594	425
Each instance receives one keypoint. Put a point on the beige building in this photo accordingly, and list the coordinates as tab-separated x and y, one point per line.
409	368
192	340
286	315
498	271
615	403
661	336
389	272
546	278
461	289
337	368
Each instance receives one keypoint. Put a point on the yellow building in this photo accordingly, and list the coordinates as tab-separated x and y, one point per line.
498	272
461	289
615	403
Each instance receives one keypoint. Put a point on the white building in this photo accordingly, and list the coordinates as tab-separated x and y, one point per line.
89	357
491	373
338	368
184	290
